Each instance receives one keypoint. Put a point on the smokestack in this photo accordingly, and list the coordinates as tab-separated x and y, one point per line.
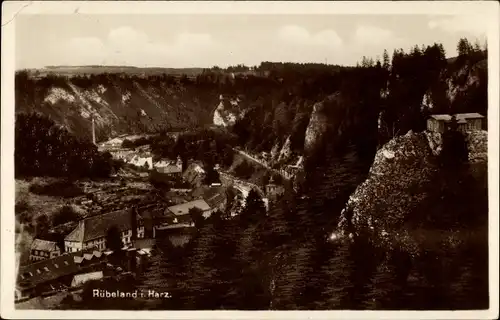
93	130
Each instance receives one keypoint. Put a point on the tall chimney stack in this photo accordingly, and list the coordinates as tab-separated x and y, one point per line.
93	130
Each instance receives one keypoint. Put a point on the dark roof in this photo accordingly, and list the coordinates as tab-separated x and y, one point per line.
50	269
153	213
194	173
96	227
215	196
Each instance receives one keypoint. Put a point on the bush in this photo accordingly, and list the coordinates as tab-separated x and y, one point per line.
127	144
23	211
65	189
64	215
244	170
42	226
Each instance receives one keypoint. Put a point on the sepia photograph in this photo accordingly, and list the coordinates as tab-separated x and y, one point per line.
249	157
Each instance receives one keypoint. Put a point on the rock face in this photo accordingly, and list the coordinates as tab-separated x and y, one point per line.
118	104
477	143
399	164
227	112
458	86
382	203
318	125
466	79
285	151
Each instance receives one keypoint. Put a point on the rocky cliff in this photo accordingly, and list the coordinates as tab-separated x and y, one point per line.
227	111
118	103
398	182
319	123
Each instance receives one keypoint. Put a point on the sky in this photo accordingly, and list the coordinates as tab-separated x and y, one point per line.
207	40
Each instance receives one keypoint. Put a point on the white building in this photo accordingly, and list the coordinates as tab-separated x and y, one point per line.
43	249
141	161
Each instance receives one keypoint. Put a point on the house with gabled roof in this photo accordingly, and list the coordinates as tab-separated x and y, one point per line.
91	232
43	249
215	197
181	211
142	161
171	169
465	122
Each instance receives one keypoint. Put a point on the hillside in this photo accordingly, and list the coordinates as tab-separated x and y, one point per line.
279	113
119	103
382	214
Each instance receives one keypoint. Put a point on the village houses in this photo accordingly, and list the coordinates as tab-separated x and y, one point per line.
142	160
172	170
43	249
439	123
91	232
180	212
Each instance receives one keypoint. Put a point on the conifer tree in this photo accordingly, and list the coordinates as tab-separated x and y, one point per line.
338	271
385	60
381	288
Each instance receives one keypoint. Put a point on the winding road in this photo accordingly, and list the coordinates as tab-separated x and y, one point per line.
246	155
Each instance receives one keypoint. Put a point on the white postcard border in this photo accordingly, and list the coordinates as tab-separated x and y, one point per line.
485	10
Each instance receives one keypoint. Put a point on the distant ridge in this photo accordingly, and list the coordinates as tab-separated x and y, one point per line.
87	66
96	69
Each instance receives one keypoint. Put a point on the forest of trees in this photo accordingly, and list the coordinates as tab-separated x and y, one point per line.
42	148
393	88
283	258
294	266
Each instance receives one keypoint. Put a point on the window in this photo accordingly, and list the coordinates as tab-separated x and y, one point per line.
66	263
46	269
56	265
38	271
31	274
